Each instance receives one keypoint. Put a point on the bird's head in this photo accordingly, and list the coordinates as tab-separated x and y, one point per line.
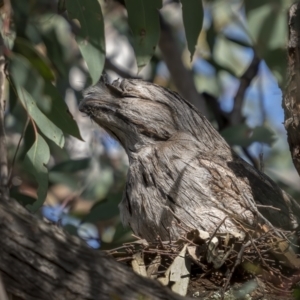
131	111
138	113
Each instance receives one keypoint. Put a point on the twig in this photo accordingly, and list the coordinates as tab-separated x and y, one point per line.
236	116
214	233
120	71
237	262
268	206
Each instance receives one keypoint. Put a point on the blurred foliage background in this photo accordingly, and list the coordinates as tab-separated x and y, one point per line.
228	57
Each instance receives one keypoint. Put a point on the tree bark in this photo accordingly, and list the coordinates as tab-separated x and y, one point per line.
40	261
291	101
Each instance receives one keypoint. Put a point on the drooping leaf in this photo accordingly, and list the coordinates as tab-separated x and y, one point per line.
49	129
58	112
35	163
90	37
192	13
25	76
52	105
28	141
21	13
267	27
263	134
143	19
39	62
244	136
211	35
54	31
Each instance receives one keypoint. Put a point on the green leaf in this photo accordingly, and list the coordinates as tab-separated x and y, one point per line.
39	62
244	136
67	179
21	198
28	141
58	112
267	25
35	162
211	36
25	76
104	210
192	13
90	37
72	165
263	134
54	31
53	105
143	19
50	130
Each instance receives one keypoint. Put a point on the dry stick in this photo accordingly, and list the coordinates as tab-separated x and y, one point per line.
214	233
237	262
268	206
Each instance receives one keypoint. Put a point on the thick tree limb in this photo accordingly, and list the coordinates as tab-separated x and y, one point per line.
291	101
39	261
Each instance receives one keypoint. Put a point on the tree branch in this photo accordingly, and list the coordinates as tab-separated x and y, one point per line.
236	116
39	261
291	101
183	78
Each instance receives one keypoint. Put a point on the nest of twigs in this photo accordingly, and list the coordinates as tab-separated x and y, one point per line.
218	266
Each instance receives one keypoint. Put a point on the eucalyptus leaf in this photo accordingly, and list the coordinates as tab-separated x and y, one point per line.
192	13
267	27
143	19
244	136
90	37
25	76
50	130
39	62
104	210
35	163
58	112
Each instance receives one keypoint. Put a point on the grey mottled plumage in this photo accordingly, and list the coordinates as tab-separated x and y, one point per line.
181	171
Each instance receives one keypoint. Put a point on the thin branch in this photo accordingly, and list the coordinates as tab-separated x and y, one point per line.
182	77
120	71
236	116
